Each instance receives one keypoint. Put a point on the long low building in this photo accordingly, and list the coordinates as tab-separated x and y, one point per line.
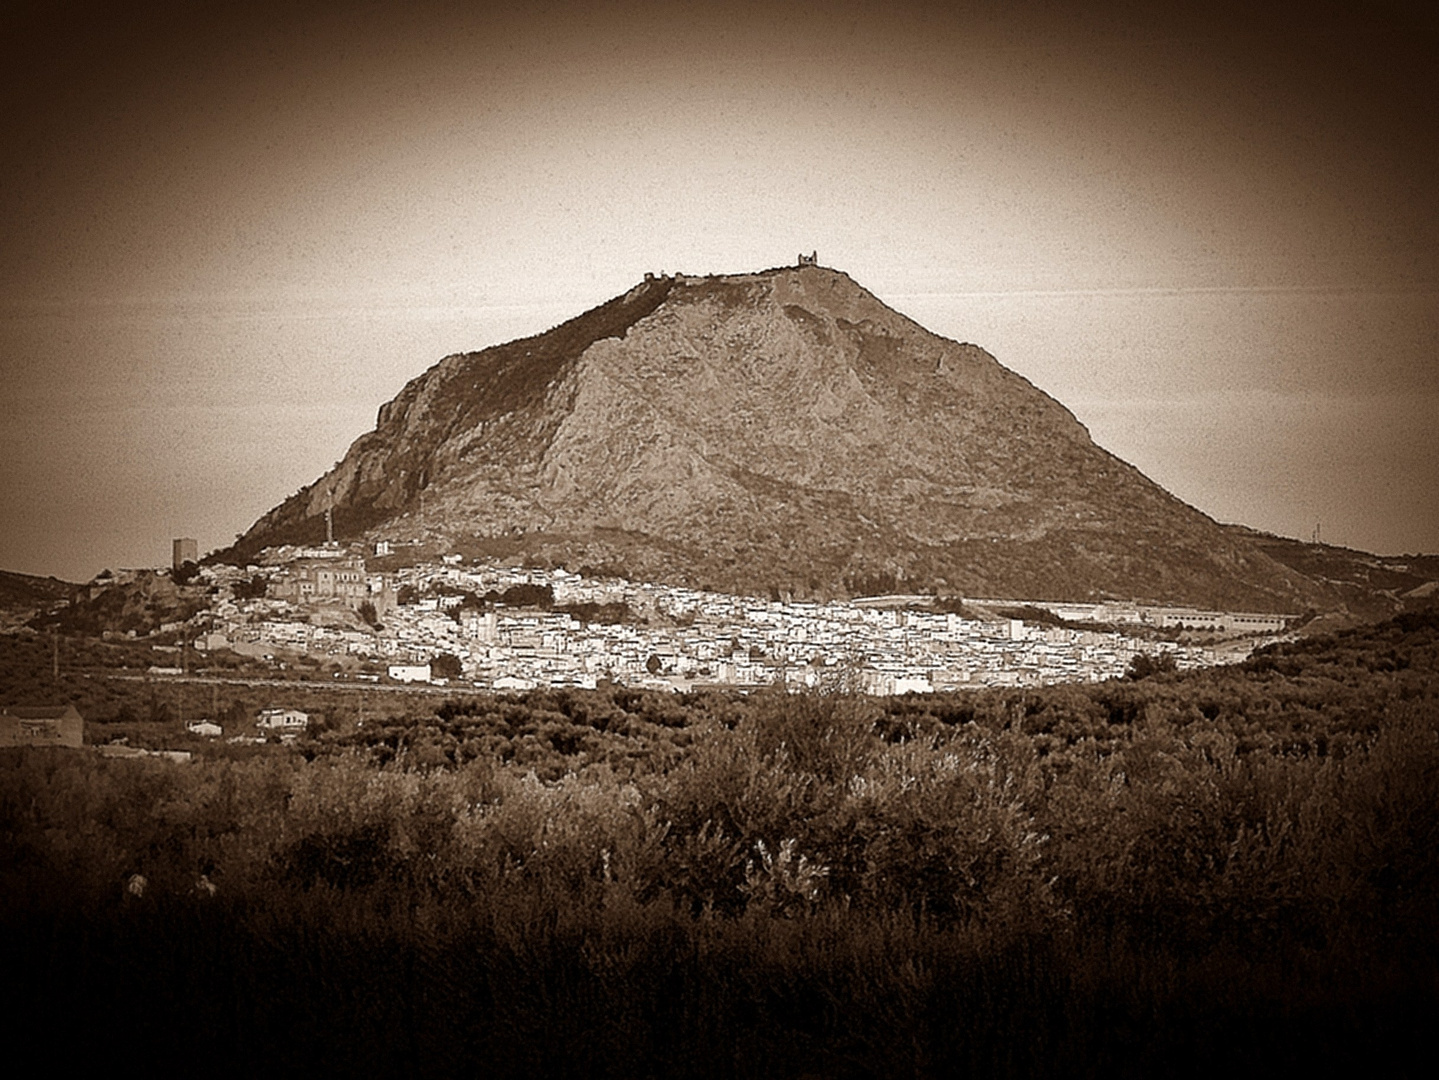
55	725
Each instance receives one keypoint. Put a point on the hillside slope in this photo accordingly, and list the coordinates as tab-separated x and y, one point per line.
23	595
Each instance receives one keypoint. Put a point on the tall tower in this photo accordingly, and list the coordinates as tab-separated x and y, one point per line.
184	550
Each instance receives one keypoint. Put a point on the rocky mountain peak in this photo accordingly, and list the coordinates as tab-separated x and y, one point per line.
779	431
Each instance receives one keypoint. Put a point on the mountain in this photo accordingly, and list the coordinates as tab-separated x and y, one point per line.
773	432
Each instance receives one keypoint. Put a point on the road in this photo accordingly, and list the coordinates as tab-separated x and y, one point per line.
291	684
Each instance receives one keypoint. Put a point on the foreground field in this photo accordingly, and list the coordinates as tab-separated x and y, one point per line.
1233	869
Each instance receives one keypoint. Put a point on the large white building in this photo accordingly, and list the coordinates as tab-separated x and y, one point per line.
410	672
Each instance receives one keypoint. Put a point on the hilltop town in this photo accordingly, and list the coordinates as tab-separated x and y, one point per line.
497	625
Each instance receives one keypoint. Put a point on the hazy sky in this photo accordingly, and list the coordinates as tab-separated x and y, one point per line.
226	239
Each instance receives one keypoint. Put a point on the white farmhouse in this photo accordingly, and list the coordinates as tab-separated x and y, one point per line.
282	720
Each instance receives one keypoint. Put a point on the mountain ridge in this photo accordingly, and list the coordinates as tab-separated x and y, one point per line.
778	431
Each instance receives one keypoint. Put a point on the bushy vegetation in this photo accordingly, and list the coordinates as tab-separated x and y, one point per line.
1231	869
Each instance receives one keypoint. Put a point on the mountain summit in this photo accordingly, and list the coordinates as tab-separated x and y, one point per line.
776	431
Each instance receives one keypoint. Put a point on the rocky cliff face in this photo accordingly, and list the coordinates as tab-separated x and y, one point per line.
779	431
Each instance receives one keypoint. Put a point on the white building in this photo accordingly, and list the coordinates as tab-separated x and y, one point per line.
282	720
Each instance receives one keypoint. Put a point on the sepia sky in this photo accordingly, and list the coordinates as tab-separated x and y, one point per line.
227	238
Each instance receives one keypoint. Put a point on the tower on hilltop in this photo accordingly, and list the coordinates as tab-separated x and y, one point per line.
184	550
812	259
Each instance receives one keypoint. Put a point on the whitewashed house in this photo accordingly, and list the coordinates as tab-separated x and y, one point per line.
282	720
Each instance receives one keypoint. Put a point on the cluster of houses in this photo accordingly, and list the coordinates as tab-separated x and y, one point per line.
324	602
683	637
878	651
678	638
